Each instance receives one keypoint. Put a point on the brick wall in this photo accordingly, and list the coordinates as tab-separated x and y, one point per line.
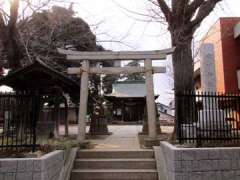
201	163
48	167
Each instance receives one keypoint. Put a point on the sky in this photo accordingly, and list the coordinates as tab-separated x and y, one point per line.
125	21
123	25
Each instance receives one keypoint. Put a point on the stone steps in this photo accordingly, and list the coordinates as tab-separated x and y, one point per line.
115	165
114	174
115	154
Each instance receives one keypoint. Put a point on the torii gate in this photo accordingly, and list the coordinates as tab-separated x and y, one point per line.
84	70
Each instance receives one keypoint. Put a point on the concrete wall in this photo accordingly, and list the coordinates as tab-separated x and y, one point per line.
47	167
201	163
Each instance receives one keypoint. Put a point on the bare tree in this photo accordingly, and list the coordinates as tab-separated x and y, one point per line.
183	18
11	46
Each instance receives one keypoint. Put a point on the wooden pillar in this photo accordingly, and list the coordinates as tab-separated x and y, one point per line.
151	110
83	102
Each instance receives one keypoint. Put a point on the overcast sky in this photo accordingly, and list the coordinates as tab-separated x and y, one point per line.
118	28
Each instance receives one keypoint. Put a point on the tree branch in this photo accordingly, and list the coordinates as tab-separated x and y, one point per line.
3	29
193	6
13	14
204	10
165	9
179	6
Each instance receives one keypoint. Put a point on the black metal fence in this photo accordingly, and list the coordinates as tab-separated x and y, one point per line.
18	116
208	117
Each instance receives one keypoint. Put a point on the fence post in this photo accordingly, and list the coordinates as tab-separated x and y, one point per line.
177	117
36	108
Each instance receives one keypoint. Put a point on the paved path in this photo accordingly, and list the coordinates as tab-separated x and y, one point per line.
123	136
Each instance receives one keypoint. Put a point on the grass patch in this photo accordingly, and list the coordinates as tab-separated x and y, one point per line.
46	145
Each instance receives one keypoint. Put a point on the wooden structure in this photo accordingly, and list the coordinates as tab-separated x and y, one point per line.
128	99
40	78
85	69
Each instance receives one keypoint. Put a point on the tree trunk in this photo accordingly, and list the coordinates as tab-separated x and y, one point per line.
14	54
183	67
10	37
12	48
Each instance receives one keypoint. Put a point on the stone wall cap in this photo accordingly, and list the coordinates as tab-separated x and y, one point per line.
45	156
173	147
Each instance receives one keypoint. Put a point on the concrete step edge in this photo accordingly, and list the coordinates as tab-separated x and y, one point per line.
115	150
105	154
115	170
114	159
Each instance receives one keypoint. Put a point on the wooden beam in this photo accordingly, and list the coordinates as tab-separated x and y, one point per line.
116	70
120	55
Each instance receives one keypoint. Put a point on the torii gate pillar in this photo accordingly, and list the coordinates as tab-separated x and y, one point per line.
151	109
83	102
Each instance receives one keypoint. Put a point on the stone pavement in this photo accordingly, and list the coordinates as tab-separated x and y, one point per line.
122	137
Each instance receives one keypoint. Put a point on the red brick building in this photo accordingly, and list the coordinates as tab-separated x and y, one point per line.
225	36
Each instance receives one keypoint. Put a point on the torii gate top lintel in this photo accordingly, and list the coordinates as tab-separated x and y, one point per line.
85	69
116	55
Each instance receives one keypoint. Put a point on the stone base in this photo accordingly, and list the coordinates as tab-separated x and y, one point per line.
189	130
100	134
99	127
149	142
214	125
145	128
214	122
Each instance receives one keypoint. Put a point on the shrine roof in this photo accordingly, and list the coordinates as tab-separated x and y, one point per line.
128	89
39	76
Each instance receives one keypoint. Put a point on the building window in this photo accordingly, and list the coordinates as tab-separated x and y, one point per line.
238	77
